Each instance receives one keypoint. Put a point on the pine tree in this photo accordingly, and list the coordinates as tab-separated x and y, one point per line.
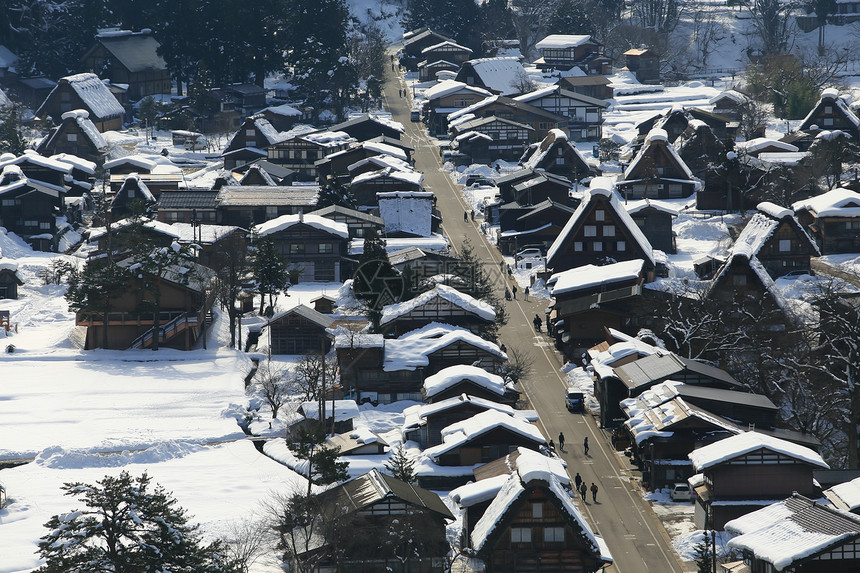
704	557
95	289
401	466
11	137
270	271
308	444
483	284
376	283
126	526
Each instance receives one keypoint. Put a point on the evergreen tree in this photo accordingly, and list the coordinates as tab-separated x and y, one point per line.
401	466
11	137
316	49
126	526
270	271
376	282
334	192
483	283
308	445
704	557
95	289
437	15
496	20
570	17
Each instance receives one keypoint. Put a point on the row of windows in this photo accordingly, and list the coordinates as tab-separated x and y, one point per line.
301	248
600	246
524	534
292	154
606	230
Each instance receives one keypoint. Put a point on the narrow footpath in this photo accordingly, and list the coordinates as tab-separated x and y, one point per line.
635	537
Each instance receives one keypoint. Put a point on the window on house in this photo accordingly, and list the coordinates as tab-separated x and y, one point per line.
45	226
8	202
537	510
172	216
326	248
559	160
251	143
297	248
71	137
828	109
784	245
577	246
621	246
359	232
591	230
249	133
560	151
599	215
739	280
131	193
553	534
828	122
608	230
31	223
65	96
597	247
521	535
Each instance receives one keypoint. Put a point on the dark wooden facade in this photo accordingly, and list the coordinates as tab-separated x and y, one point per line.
301	153
537	533
486	447
656	224
830	113
317	254
540	120
299	331
86	92
129	58
10	280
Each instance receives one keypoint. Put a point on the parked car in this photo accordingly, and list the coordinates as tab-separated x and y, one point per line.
531	253
681	492
475	179
574	400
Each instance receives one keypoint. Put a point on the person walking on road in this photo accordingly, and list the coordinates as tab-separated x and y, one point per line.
466	216
594	492
526	295
472	214
583	489
577	481
514	290
561	441
537	321
585	445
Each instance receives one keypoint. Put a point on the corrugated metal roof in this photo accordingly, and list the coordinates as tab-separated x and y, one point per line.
375	486
253	195
188	200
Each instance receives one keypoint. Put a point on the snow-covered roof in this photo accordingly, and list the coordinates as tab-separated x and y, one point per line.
158	226
284	110
499	74
13	268
452	375
480	491
560	41
345	338
462	432
790	530
733	95
95	94
640	204
412	177
343	409
659	137
839	202
774	210
753	146
742	444
590	276
384	148
602	187
436	242
548	145
845	496
412	350
202	233
659	420
445	43
268	131
30	156
466	113
321	138
12	178
381	162
466	302
448	87
76	162
415	416
315	221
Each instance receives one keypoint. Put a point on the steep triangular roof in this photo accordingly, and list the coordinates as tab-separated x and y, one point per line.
599	189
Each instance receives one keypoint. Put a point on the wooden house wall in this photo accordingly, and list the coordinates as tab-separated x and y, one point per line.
8	284
570	166
487	447
462	353
437	309
827	115
82	146
656	225
579	249
27	212
506	556
778	262
837	234
140	84
365	192
541	125
300	156
294	334
436	422
754	480
535	194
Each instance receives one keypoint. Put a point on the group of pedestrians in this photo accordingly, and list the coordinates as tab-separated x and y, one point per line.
579	484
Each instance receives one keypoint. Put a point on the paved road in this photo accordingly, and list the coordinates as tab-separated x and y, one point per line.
638	542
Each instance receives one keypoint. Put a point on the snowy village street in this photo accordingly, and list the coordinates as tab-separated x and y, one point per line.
629	526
